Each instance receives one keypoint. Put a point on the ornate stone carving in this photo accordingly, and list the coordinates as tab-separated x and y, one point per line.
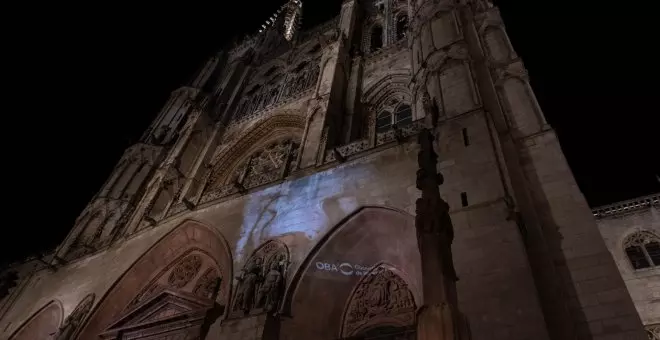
269	293
184	271
381	294
259	288
267	165
206	283
270	91
75	319
640	239
167	315
225	161
146	293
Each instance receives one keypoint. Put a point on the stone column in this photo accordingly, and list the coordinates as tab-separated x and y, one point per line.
434	31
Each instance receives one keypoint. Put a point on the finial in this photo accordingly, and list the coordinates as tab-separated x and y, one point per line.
292	18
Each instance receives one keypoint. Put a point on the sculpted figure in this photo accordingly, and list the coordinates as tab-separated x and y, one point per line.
430	107
247	285
269	293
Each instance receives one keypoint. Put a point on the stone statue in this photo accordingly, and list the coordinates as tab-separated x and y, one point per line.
269	292
430	108
247	286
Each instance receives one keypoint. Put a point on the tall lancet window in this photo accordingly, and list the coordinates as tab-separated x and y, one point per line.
643	250
401	117
376	38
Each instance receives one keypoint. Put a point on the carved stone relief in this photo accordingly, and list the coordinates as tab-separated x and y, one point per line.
72	323
185	271
286	83
260	286
181	273
269	164
380	295
206	283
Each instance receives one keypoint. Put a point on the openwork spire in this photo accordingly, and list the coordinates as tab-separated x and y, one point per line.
292	12
292	18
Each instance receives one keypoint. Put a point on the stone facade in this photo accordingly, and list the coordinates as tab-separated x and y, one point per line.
274	197
623	224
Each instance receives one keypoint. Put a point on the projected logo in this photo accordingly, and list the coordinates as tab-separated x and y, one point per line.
343	268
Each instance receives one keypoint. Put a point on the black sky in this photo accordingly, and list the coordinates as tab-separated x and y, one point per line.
86	81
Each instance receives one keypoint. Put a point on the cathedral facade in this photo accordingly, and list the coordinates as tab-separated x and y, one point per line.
280	194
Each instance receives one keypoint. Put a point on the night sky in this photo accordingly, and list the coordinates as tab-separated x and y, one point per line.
86	83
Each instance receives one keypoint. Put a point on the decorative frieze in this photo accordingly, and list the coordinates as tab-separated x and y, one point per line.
625	207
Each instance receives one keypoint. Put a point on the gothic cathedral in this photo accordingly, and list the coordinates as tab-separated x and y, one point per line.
388	174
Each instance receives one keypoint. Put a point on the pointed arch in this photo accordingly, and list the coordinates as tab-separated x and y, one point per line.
384	98
397	81
367	237
275	127
42	324
642	248
393	306
191	236
274	255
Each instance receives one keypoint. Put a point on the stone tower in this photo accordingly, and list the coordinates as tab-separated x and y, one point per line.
275	196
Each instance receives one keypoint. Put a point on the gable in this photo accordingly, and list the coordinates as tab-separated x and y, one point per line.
167	306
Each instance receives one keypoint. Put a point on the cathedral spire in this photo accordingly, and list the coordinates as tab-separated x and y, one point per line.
293	16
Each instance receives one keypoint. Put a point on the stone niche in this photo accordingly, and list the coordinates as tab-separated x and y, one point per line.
258	294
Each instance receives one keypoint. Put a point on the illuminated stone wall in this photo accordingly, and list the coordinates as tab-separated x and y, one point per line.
301	211
616	223
309	182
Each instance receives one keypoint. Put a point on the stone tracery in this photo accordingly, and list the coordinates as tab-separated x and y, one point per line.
642	249
185	271
206	283
268	164
178	275
380	296
279	86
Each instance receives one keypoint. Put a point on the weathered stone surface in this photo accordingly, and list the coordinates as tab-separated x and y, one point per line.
616	223
283	170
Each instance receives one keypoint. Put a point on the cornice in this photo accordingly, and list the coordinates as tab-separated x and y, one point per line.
628	206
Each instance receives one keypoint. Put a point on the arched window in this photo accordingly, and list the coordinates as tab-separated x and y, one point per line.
376	38
403	115
643	250
401	26
384	121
